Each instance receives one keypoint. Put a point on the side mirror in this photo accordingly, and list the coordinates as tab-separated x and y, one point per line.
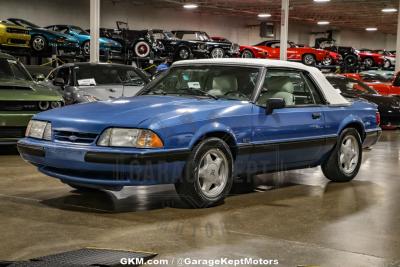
274	103
59	82
39	77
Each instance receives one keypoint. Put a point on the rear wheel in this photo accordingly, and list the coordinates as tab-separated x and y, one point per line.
86	48
387	64
208	174
368	62
309	60
350	60
183	53
344	162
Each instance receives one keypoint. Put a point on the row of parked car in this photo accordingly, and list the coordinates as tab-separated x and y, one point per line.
124	43
21	96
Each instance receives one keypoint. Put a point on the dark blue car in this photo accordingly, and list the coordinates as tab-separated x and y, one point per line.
106	45
202	124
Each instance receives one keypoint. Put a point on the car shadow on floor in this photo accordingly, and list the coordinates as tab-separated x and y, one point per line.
142	198
9	150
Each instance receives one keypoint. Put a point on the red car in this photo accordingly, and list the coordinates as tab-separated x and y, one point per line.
332	59
370	59
250	51
383	88
307	55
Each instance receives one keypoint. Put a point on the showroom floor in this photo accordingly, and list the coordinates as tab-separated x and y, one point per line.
296	217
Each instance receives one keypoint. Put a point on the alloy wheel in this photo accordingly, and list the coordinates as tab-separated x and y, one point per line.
213	173
217	53
309	60
348	154
38	43
247	54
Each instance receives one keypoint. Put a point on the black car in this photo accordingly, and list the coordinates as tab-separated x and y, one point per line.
141	43
217	49
388	106
349	54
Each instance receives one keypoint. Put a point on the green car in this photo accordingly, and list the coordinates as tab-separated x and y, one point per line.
20	99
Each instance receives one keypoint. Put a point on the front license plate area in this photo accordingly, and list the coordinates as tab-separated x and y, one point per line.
65	154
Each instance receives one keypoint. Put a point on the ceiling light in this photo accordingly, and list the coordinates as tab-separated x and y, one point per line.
323	22
371	29
190	6
321	1
264	15
389	10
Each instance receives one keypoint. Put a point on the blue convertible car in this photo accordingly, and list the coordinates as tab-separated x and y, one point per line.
202	124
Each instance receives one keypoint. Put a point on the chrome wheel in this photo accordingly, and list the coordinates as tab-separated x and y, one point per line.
247	54
86	48
327	61
309	60
348	155
387	64
368	62
183	53
38	43
217	53
213	173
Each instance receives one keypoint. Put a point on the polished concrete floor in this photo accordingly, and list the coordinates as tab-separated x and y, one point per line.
297	217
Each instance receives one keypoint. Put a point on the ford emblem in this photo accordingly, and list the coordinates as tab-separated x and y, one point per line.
73	138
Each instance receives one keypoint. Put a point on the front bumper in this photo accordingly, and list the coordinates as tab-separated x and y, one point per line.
371	138
103	166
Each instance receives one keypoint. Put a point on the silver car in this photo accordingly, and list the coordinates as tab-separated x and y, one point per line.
89	82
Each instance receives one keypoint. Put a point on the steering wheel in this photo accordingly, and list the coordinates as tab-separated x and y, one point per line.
237	93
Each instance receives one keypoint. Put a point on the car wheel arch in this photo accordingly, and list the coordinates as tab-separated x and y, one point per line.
227	136
356	124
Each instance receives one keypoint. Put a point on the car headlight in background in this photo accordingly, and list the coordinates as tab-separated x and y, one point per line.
89	98
39	129
125	137
45	105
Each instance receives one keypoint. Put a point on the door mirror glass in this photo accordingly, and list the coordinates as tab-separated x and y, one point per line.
274	103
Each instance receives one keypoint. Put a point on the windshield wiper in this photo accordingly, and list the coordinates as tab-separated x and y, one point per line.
196	90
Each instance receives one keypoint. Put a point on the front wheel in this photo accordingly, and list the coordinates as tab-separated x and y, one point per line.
344	162
368	62
39	43
387	64
142	49
183	53
86	48
247	54
208	172
217	53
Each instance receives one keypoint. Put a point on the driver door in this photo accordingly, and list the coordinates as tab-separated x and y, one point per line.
292	136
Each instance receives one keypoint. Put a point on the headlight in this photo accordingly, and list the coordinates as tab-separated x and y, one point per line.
124	137
56	104
44	105
39	130
202	47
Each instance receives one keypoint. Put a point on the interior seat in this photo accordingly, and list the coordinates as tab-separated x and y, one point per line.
278	87
223	84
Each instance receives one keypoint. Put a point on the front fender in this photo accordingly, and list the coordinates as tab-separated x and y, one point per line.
209	129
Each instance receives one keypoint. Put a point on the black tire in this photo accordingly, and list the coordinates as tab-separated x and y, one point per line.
309	60
86	48
387	64
332	168
189	188
217	52
350	61
247	54
39	43
183	53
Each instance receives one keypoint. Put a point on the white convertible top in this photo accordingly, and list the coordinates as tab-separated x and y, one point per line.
331	95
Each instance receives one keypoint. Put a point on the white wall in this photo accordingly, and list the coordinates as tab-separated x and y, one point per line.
45	12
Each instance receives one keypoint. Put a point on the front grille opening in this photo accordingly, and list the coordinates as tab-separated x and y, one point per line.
75	137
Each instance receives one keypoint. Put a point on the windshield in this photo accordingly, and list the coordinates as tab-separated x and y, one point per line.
227	82
25	23
107	74
350	86
13	70
79	30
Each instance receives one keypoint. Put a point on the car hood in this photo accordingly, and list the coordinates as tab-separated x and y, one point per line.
150	112
104	40
14	90
108	92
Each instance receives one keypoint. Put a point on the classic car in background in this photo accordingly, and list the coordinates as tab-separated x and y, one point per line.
371	59
203	123
388	106
217	49
20	99
389	58
112	47
14	37
43	39
250	51
89	82
385	85
307	55
332	59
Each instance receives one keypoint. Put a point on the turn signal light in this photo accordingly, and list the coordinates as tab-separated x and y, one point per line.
149	139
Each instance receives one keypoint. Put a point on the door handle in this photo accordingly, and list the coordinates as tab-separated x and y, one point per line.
316	115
